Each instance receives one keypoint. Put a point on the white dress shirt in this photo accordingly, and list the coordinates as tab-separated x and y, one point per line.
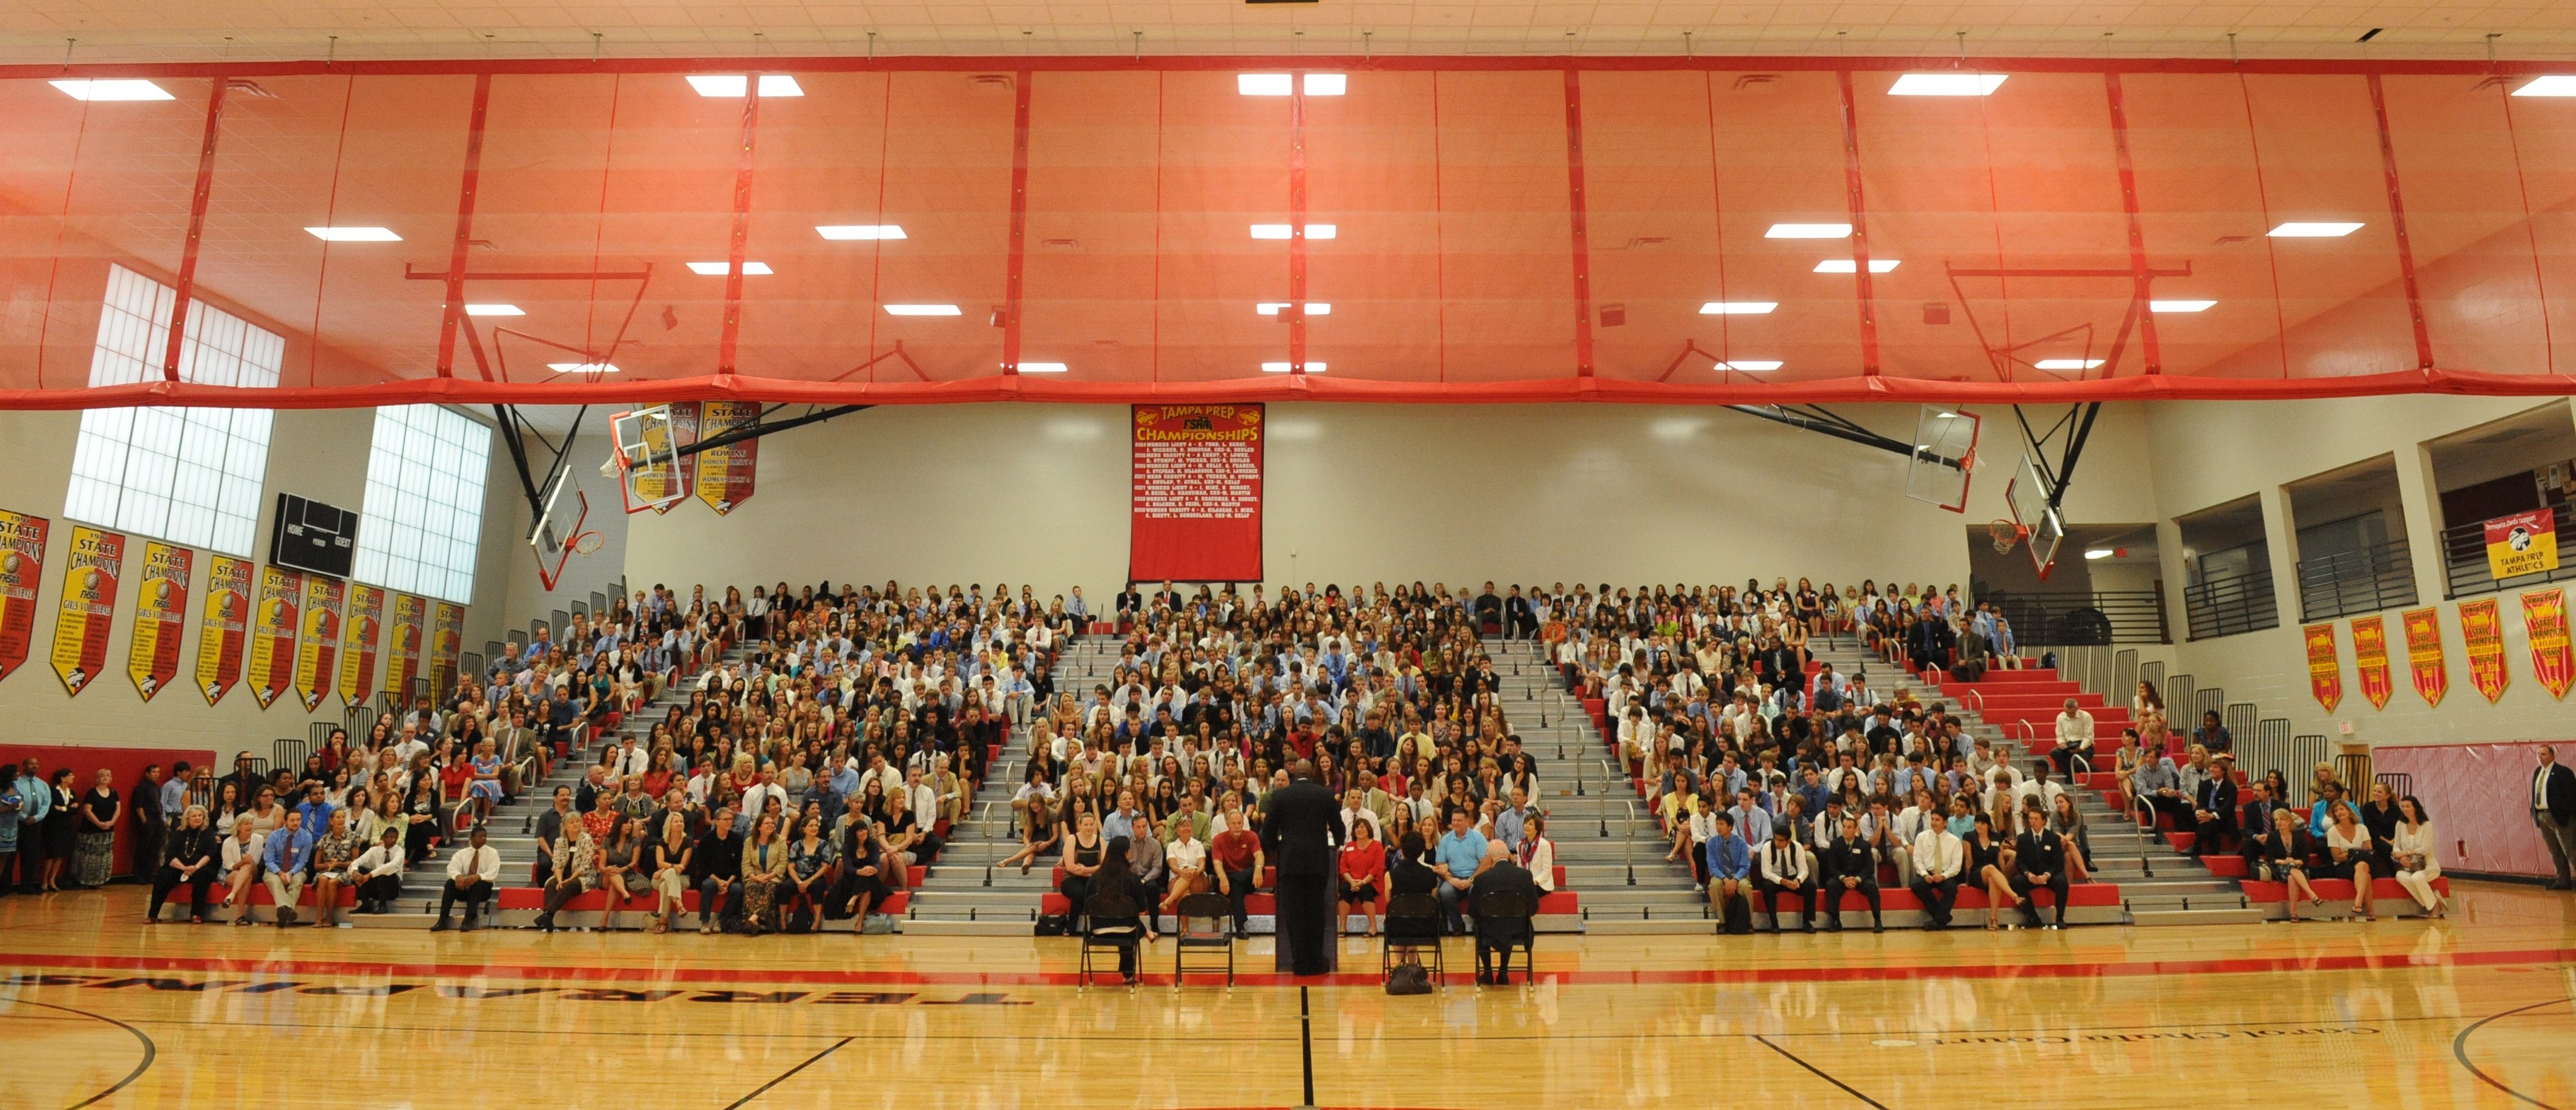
483	862
1938	854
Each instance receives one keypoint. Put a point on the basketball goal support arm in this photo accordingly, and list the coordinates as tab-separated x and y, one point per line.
2063	475
1826	423
764	426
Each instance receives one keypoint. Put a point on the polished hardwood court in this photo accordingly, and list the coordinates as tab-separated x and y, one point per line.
99	1009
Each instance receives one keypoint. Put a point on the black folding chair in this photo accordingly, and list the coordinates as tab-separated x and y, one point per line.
1213	915
1113	924
1505	917
1412	921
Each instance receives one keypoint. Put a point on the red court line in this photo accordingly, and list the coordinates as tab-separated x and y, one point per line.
555	972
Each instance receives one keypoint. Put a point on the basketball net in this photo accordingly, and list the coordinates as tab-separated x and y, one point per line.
2005	534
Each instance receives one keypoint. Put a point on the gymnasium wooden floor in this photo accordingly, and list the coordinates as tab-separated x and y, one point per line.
97	1009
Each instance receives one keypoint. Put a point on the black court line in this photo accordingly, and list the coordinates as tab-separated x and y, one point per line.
1819	1072
2460	1049
784	1076
150	1050
1306	1045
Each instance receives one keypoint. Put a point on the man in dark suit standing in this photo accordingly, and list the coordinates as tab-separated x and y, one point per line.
1304	833
2553	809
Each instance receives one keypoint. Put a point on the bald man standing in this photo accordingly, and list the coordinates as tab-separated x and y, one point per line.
1304	834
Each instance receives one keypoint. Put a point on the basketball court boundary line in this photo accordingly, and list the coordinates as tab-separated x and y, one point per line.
1573	978
2460	1049
151	1051
790	1073
1819	1073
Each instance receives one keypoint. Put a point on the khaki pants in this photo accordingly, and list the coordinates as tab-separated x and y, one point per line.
287	890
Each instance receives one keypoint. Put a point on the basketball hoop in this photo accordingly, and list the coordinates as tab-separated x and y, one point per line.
588	543
2005	534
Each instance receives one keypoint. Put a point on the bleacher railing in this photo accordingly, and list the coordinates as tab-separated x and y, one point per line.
2272	748
2083	618
2464	559
2381	576
2230	605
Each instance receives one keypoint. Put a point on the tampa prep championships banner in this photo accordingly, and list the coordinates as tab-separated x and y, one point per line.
1195	513
2325	668
727	474
2370	659
223	635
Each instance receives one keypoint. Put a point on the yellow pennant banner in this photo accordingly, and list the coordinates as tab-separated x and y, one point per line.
272	634
317	648
360	631
160	615
223	633
86	612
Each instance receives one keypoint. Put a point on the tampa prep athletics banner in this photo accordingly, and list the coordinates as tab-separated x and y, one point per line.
86	611
22	569
1195	510
2370	659
160	612
2325	668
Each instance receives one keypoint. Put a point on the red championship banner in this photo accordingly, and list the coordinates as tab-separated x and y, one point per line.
22	569
160	615
684	431
2544	616
272	633
360	630
317	649
2325	667
2483	631
725	474
86	612
2424	654
2524	543
446	640
410	620
223	634
1195	513
2370	660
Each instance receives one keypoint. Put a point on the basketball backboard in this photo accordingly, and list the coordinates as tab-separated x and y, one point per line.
559	530
1945	454
647	458
2043	527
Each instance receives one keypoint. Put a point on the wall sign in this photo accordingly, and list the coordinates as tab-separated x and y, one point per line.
223	634
2325	667
2370	660
160	616
86	611
2424	661
2483	631
1195	504
22	568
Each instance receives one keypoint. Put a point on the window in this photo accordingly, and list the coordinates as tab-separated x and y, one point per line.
424	512
187	475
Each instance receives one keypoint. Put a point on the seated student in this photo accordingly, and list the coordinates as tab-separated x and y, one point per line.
333	852
2348	850
472	874
1786	869
575	872
377	873
1363	874
282	865
1238	861
715	863
861	885
1939	857
243	851
1457	858
1730	864
1496	936
1849	866
2411	849
670	852
2040	862
188	857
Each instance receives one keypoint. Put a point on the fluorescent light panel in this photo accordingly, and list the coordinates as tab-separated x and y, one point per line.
582	367
1738	308
493	310
717	269
1808	231
1282	368
354	234
2314	229
2179	306
1280	231
1946	84
103	89
2067	363
733	84
1274	308
2097	553
2551	85
1844	266
1750	365
922	310
1263	84
838	232
1042	368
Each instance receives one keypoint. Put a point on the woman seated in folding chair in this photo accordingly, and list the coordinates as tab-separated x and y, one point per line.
1115	887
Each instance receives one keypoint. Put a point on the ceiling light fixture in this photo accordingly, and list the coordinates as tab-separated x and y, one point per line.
1274	308
1738	308
733	84
717	269
582	367
922	310
2314	229
2067	363
1280	231
2097	553
493	310
1750	365
841	232
1946	84
1042	368
2179	306
1282	368
2551	85
1844	266
97	89
1263	84
1808	231
1326	84
354	234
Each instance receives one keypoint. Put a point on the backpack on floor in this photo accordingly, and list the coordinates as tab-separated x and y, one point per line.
1738	916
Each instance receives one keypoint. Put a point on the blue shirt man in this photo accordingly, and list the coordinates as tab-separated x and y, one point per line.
1461	850
290	849
1729	857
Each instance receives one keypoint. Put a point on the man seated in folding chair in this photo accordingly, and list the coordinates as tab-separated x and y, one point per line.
1501	925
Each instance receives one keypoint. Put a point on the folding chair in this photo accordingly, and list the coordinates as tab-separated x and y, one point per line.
1507	915
1216	913
1412	921
1111	923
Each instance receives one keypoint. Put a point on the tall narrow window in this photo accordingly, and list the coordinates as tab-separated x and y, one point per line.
187	475
424	513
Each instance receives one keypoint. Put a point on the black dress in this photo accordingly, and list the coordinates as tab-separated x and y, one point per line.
61	823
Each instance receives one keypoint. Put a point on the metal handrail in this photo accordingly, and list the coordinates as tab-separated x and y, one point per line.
1629	852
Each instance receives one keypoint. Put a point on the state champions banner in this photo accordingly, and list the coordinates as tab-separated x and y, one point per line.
2544	617
160	616
2424	662
272	633
726	474
360	632
317	647
446	642
410	618
223	634
2325	667
2483	631
1195	502
86	612
2370	660
22	570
